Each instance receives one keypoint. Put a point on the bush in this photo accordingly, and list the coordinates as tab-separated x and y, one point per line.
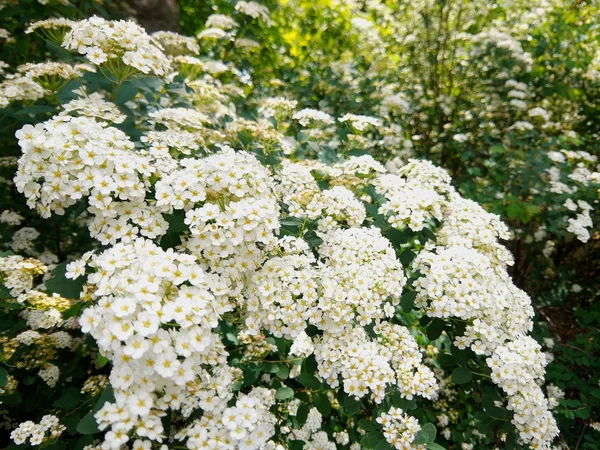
236	245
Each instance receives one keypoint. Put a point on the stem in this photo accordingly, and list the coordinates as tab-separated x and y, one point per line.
481	375
580	437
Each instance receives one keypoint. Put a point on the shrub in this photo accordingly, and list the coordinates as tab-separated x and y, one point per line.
255	281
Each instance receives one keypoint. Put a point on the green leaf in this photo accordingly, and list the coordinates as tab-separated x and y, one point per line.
63	286
350	404
461	375
434	446
106	396
153	84
421	438
326	154
309	365
176	222
282	371
3	377
407	300
461	356
357	152
483	422
431	431
367	425
10	305
302	414
284	393
126	92
446	361
102	360
73	311
88	424
372	439
295	444
291	225
70	398
513	210
384	445
11	399
83	442
251	373
308	381
322	404
36	109
399	402
270	368
407	257
435	328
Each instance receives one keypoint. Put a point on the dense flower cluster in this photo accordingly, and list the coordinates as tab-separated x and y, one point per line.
154	318
399	429
516	368
103	42
18	273
68	158
245	261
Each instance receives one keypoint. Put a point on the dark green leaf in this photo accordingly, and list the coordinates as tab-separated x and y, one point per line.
350	404
308	381
309	365
434	446
407	257
73	311
322	404
295	445
88	424
11	399
367	425
372	439
70	398
407	300
36	109
302	414
435	328
384	445
63	286
461	375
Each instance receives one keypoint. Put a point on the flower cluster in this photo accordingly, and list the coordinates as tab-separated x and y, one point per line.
462	282
18	273
416	194
246	425
154	318
47	430
283	294
312	116
68	158
399	429
516	368
231	209
103	42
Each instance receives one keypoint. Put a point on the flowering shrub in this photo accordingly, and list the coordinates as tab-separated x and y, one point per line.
501	95
250	281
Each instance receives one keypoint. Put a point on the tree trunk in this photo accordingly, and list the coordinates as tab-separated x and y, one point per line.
156	15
